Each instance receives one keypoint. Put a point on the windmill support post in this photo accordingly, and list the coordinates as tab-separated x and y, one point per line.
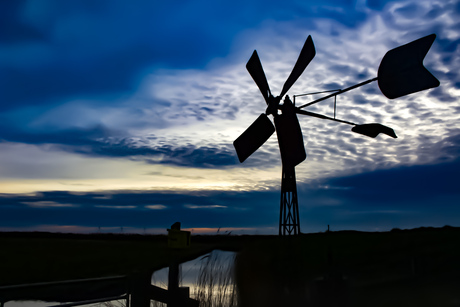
289	206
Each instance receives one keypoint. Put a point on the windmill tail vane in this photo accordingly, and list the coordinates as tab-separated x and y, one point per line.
401	72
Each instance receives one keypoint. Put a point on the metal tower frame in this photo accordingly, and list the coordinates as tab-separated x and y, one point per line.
289	206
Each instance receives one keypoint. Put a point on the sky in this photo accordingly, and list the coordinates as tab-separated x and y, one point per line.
120	117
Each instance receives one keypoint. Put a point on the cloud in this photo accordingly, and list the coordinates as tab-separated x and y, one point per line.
204	207
187	114
115	207
408	11
184	156
78	137
156	207
411	184
404	198
47	204
83	49
93	211
76	49
376	4
96	142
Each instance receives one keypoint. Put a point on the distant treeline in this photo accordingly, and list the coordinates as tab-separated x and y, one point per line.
79	236
202	238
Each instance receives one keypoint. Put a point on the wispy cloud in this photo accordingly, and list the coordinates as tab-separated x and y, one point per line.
115	207
203	206
48	204
156	207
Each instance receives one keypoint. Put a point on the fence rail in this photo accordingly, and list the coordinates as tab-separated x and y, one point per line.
136	289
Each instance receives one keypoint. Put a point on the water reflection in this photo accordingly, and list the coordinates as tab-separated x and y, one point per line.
114	303
28	304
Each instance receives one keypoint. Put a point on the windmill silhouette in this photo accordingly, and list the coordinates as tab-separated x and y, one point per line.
401	72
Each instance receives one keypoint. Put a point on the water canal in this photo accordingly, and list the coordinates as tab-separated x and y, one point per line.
210	279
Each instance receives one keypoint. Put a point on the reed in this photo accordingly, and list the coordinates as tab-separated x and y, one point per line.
215	286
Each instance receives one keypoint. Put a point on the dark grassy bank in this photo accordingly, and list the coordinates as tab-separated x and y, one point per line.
417	267
41	257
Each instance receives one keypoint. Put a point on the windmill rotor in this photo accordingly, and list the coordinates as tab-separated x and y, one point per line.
287	124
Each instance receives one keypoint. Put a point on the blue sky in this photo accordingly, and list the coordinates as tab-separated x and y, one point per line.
117	114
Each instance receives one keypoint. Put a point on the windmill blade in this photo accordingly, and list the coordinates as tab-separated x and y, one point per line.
401	71
306	55
254	137
372	130
254	67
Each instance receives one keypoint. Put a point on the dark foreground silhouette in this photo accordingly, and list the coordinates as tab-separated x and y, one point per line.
398	268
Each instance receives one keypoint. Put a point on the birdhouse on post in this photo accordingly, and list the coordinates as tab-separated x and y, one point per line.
178	238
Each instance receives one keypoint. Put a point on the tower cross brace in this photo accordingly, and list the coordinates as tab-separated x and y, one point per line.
289	206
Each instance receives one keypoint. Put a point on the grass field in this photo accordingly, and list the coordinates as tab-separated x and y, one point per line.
418	267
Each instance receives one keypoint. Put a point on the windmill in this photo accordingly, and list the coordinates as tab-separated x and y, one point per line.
401	72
